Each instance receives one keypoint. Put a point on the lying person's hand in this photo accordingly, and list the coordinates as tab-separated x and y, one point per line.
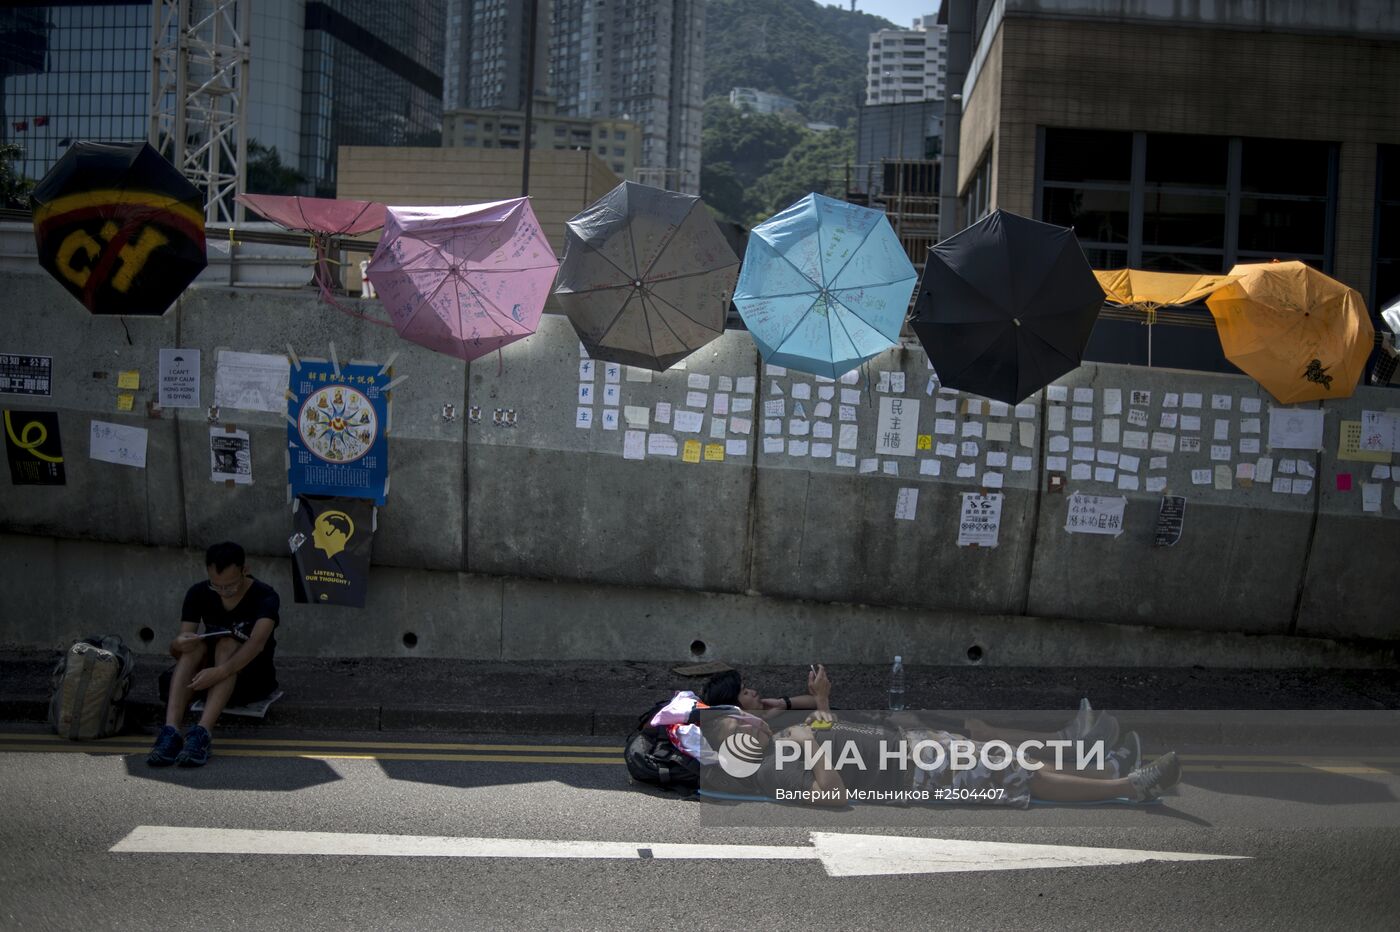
820	716
818	684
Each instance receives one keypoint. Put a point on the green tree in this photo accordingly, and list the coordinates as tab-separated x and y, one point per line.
737	149
14	187
813	53
817	163
267	174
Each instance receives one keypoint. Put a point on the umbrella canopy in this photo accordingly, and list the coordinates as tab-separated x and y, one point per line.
1006	306
464	280
1148	291
1297	332
824	286
322	217
646	276
119	227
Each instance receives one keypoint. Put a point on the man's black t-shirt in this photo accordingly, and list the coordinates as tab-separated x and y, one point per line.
203	604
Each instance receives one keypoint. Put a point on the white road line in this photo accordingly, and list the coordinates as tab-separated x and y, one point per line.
842	855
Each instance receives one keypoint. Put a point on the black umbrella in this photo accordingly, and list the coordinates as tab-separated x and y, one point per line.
119	227
1005	307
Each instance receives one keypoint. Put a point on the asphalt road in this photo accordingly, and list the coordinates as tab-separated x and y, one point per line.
1318	842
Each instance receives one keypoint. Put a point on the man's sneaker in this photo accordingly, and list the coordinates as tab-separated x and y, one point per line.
1128	756
1162	774
1081	721
167	747
197	747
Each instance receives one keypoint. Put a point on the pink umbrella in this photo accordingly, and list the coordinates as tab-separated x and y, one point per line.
323	218
464	280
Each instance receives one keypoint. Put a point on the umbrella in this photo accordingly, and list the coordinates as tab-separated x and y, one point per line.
323	218
1148	291
119	227
646	276
1006	306
464	280
1300	334
824	286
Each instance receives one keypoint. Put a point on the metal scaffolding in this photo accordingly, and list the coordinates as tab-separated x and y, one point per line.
199	85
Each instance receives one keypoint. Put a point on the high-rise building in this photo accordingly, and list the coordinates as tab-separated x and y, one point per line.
617	143
638	60
488	54
324	73
907	65
372	76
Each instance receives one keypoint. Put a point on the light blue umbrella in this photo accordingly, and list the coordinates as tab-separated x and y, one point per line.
824	286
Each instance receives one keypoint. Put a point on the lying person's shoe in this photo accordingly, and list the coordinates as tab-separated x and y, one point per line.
1128	756
1162	774
1104	728
167	747
198	743
1081	721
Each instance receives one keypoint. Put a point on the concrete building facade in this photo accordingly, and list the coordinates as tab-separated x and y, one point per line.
637	60
907	65
617	143
487	54
1183	136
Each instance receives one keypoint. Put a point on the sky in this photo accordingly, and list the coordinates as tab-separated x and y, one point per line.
899	12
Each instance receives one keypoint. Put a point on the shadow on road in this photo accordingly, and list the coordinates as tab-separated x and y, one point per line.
231	771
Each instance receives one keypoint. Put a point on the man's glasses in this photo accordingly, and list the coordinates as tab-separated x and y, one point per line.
230	589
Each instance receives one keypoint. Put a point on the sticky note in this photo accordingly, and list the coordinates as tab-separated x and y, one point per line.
691	452
129	379
714	453
126	401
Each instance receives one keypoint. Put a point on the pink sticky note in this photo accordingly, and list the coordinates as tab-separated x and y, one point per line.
1343	482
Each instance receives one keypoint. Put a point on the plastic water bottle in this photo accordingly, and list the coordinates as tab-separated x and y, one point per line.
897	684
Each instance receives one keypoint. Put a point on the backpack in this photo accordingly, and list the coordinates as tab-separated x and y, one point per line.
90	684
652	758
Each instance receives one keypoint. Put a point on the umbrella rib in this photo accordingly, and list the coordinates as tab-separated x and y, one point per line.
853	312
646	315
604	257
778	344
872	229
680	312
616	317
490	306
781	255
716	268
427	299
651	265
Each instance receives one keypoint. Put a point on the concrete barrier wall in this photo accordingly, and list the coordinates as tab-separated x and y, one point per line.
552	501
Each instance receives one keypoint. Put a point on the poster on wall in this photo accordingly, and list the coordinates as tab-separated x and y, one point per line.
980	522
22	374
1095	514
32	446
178	380
338	420
230	456
331	543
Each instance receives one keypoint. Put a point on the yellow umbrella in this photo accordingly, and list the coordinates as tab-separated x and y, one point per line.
1147	291
1297	332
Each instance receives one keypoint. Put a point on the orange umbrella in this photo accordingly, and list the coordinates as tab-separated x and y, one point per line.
1297	332
1147	291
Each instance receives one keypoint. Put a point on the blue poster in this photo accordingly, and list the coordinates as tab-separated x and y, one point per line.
337	431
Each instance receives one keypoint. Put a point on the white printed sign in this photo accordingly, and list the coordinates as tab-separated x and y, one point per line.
896	433
1095	514
980	521
178	385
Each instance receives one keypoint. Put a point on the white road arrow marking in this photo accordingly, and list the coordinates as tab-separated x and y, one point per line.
842	855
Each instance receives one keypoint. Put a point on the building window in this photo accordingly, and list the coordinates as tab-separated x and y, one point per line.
1387	270
1180	203
978	194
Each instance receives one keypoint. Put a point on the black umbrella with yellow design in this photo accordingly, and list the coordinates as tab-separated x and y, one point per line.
119	227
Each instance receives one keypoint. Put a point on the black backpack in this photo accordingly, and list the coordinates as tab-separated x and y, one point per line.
652	758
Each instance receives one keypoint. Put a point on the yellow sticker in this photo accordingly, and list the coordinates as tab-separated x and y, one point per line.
925	441
129	379
126	401
1349	446
691	453
714	453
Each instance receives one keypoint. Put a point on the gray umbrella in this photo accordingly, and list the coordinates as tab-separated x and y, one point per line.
646	277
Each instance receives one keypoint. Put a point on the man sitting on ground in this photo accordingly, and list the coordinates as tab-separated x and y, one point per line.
231	662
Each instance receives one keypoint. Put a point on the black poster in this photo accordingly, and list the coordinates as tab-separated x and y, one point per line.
33	449
1171	516
331	542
